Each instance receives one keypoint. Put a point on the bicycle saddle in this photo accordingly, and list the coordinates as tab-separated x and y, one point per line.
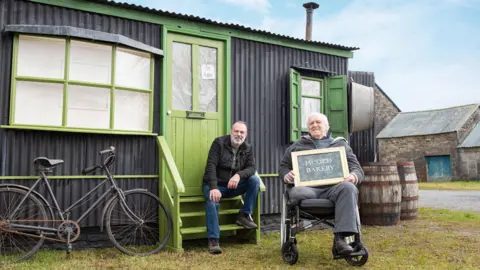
48	163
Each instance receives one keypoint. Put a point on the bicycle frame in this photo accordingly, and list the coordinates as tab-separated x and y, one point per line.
113	189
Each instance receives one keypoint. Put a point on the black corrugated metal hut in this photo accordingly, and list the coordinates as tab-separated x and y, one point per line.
78	76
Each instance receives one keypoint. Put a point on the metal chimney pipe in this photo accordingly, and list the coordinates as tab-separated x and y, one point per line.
310	6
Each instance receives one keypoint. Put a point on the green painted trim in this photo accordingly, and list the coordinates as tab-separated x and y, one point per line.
228	107
112	87
197	33
36	79
13	89
269	175
193	26
79	130
69	177
133	89
170	162
163	101
195	79
152	94
88	84
65	84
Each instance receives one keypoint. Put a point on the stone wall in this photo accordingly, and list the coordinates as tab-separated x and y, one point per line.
416	148
385	111
469	163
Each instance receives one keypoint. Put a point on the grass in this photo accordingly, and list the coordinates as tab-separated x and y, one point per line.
438	239
455	185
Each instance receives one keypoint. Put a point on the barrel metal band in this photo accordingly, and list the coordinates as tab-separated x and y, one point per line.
397	204
367	173
383	183
413	198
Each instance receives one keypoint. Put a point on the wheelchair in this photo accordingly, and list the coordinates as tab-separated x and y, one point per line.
316	211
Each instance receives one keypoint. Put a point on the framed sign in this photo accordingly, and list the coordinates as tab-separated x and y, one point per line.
320	167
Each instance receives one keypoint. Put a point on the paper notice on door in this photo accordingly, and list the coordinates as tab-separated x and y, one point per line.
208	72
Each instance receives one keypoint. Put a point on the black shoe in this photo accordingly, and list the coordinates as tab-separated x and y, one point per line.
214	246
341	246
245	220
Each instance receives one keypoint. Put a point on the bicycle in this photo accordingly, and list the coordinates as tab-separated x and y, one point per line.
132	217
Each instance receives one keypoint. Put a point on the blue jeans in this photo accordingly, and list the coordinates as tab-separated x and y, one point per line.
249	187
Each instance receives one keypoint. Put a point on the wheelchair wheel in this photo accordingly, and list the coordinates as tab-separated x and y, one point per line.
358	260
290	252
284	228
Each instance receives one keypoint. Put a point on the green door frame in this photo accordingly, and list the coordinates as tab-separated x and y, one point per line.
227	108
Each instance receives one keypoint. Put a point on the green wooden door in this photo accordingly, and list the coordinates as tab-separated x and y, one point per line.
195	103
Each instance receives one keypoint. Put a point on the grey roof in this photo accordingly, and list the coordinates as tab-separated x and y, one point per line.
473	139
428	122
208	21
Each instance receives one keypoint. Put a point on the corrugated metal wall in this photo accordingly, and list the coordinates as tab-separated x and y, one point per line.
260	96
363	142
136	155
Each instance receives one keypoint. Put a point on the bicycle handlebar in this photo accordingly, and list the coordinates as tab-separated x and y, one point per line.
89	170
109	150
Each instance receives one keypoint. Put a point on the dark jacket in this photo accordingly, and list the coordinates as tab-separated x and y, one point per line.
218	170
306	143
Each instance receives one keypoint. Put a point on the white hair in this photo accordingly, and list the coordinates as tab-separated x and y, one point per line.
323	117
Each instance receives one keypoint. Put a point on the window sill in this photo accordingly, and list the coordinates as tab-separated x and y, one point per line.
80	130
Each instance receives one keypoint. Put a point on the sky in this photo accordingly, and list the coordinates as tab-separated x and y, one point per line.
425	54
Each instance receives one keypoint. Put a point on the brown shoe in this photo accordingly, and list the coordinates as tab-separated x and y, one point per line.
245	220
214	246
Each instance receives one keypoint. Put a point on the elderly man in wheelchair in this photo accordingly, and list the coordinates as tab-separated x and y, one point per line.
324	203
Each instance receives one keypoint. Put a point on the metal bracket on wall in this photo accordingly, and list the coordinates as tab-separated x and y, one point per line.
195	115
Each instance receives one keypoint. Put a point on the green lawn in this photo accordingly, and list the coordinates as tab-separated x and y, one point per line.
438	239
455	185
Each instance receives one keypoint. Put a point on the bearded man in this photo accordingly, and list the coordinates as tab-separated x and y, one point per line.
230	171
344	194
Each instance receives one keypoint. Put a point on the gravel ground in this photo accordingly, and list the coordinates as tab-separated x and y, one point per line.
449	199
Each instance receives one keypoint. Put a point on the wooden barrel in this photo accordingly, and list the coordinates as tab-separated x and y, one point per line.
380	194
409	183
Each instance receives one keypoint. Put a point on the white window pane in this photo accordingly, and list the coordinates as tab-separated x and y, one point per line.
310	87
38	103
132	69
90	62
182	76
207	79
88	107
41	57
132	110
309	105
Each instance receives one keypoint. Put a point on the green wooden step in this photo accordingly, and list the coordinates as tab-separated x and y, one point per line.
202	213
203	229
202	199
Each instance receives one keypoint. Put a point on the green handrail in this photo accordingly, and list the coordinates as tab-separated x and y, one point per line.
172	168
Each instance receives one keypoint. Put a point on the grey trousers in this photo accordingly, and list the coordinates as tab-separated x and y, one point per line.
344	195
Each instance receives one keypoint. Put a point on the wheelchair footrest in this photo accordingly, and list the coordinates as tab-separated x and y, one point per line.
353	254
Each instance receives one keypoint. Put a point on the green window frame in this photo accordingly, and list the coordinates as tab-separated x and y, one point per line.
333	103
69	83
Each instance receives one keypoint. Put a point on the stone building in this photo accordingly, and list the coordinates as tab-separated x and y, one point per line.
469	155
385	109
436	140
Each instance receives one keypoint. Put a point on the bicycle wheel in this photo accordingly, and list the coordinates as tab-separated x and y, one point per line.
15	247
138	237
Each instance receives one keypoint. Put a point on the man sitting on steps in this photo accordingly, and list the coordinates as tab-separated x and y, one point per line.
230	171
